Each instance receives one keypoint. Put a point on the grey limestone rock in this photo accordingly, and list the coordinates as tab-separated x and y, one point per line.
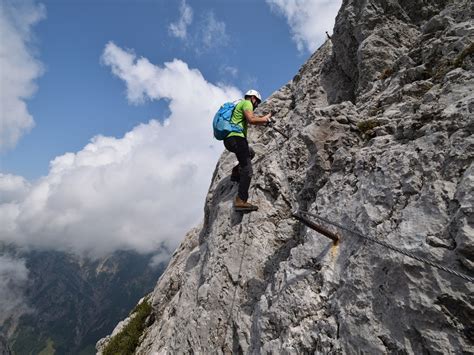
387	154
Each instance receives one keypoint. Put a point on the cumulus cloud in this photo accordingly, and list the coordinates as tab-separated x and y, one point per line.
308	20
19	68
142	191
179	28
13	280
12	188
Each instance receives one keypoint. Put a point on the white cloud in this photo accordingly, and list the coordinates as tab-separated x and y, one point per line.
12	188
207	33
212	32
18	68
308	20
161	258
142	191
229	71
179	28
13	279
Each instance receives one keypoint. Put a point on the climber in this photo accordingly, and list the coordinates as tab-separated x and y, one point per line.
236	142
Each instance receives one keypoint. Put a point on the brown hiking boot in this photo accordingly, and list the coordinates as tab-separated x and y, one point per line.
243	206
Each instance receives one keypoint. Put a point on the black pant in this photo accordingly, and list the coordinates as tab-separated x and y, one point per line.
244	153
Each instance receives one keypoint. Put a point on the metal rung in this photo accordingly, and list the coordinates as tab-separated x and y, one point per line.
321	230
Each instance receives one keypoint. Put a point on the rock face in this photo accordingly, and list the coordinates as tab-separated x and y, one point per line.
381	125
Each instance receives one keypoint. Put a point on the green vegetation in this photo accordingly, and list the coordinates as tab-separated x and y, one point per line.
27	341
88	350
49	349
420	89
368	125
469	50
374	111
448	65
443	68
387	72
127	340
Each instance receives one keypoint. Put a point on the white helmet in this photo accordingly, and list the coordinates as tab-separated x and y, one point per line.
254	93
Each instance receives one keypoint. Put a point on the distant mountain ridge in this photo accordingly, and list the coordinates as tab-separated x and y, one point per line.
73	301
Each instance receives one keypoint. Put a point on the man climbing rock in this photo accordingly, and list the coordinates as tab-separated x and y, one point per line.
236	142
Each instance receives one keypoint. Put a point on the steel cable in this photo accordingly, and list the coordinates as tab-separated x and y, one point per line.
391	247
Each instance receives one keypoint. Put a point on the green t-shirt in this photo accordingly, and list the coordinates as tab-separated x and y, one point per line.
238	117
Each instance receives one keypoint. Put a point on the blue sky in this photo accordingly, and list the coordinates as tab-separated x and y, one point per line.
99	97
77	97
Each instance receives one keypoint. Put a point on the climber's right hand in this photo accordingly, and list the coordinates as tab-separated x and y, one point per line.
269	121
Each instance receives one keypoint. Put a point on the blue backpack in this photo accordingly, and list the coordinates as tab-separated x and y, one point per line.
222	121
